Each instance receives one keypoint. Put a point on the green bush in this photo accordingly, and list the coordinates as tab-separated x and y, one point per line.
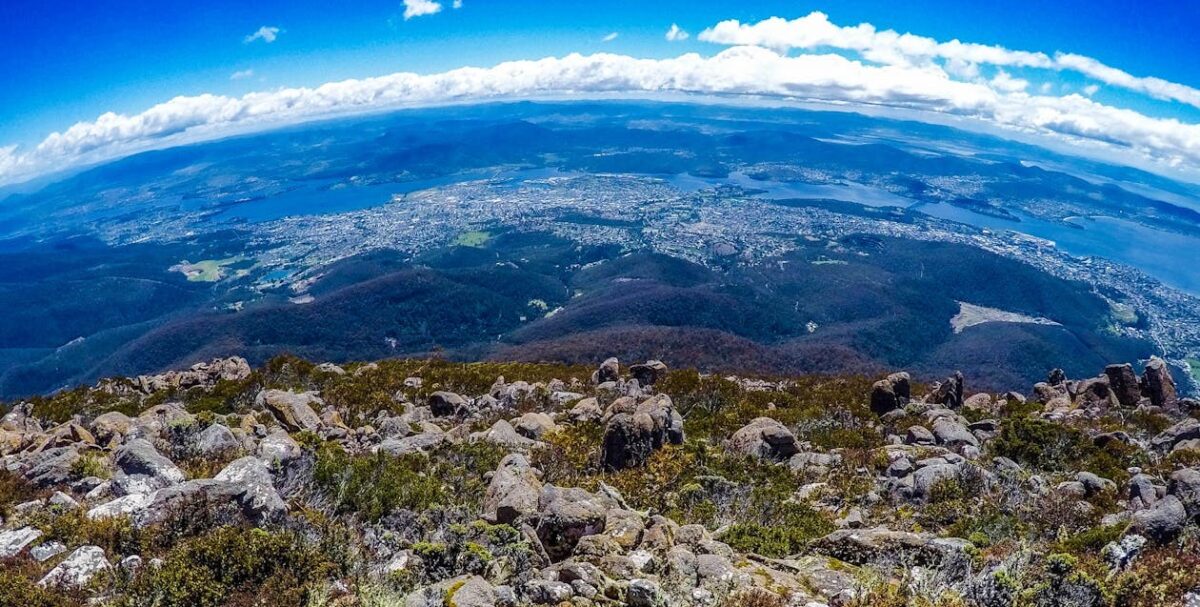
1053	447
794	526
229	566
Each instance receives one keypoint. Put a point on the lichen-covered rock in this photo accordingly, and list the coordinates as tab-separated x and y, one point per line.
631	436
296	411
14	541
141	468
78	569
764	438
513	492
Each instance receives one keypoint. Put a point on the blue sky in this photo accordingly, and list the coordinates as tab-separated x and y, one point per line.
63	62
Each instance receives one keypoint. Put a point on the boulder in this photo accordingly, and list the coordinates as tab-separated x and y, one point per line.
513	492
951	434
649	372
1161	522
534	425
919	435
279	447
568	514
764	438
14	541
216	439
949	392
259	496
586	410
883	548
1124	384
1185	485
1158	384
926	477
503	434
142	469
890	393
1187	429
610	370
444	404
630	437
51	466
78	569
417	443
108	426
296	411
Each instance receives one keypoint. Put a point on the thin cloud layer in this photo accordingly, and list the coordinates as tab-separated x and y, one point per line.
814	31
763	71
265	33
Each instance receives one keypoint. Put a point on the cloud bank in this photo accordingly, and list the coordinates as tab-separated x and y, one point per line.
815	31
898	75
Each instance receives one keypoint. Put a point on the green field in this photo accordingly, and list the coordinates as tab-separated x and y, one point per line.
208	270
1194	363
472	239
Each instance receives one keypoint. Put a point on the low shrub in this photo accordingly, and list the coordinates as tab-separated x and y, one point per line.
231	566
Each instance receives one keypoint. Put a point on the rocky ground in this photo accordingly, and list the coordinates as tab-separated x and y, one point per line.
435	484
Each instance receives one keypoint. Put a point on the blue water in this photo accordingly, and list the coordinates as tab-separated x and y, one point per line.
779	190
1170	257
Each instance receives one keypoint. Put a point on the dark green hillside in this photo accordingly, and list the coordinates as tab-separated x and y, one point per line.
860	305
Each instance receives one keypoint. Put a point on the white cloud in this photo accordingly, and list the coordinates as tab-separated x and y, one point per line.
1091	89
1003	81
675	34
265	33
241	75
746	72
610	37
420	8
814	31
457	4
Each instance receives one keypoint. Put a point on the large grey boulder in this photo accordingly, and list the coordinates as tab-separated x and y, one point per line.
503	434
296	411
215	440
444	404
764	438
632	434
259	496
891	393
1158	384
513	491
417	443
951	434
78	569
278	447
610	370
1124	384
141	468
885	549
949	392
568	514
927	477
14	541
1185	485
1161	522
51	467
1187	429
649	372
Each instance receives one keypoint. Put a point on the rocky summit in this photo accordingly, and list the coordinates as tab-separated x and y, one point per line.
426	483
